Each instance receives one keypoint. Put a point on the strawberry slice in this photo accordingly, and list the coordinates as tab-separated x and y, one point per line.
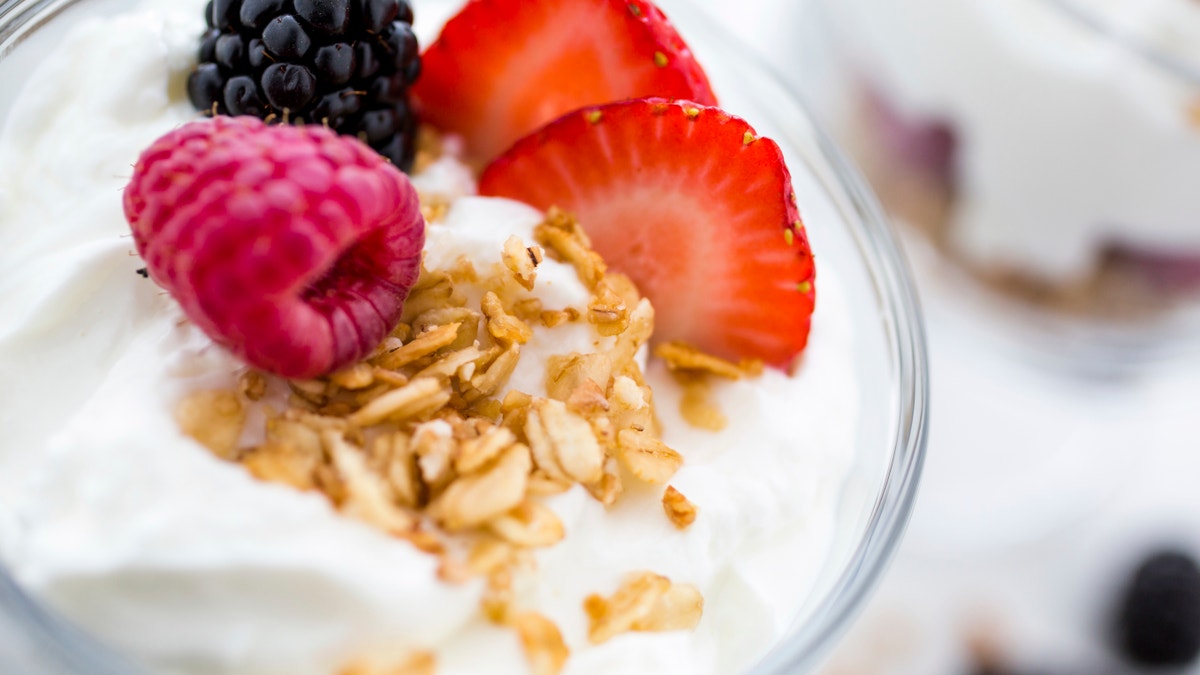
502	68
692	205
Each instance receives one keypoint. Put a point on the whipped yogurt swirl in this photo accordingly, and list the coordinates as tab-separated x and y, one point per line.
1068	142
189	565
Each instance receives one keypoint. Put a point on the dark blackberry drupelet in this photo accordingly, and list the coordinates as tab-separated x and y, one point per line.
345	63
1158	621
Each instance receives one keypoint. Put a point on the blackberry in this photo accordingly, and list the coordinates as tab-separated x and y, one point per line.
1158	620
347	64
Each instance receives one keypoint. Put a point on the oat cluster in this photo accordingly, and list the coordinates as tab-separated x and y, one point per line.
425	441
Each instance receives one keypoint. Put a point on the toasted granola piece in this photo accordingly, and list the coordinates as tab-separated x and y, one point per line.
696	405
463	270
543	643
473	500
634	600
628	394
554	318
368	496
566	373
564	239
253	385
329	482
397	459
530	525
469	321
311	390
414	663
291	430
608	311
356	377
440	291
453	364
418	398
453	570
563	443
522	261
605	430
623	286
353	399
497	600
647	457
474	453
424	541
542	485
489	382
317	421
514	409
283	463
641	327
433	207
434	445
506	328
214	419
423	345
610	486
588	399
630	406
389	344
680	608
528	309
645	602
489	555
680	355
488	408
679	508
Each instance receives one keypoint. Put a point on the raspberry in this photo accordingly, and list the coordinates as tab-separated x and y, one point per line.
291	246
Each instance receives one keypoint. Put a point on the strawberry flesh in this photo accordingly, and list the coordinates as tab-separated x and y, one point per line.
502	68
692	205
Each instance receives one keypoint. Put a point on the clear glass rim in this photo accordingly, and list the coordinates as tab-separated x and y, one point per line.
1187	70
881	249
69	649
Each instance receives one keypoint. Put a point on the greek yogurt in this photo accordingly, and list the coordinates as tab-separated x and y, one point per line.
1069	143
189	565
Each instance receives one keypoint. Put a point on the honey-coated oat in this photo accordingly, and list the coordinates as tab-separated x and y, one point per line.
418	440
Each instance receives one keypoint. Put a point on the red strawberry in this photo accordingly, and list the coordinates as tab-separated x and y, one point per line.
692	205
293	247
502	68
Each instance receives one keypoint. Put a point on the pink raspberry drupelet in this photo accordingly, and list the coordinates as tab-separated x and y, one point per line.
291	246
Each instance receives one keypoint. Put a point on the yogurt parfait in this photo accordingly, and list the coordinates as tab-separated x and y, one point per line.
329	353
1046	144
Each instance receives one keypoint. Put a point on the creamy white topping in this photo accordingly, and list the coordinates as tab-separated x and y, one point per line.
191	566
1067	142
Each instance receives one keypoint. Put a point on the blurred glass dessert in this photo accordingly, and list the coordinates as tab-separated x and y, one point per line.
1049	145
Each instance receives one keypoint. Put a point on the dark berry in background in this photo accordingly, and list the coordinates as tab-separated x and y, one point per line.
347	64
1158	620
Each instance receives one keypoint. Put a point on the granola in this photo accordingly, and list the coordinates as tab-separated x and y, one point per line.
645	602
679	508
426	441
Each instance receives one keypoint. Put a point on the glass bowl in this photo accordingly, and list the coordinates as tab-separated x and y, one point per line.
848	232
1048	111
